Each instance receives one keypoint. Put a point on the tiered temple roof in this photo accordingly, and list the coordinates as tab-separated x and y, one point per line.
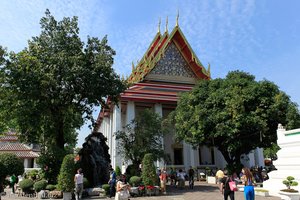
9	143
168	67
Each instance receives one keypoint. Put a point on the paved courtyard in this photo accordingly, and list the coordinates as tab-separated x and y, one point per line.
201	191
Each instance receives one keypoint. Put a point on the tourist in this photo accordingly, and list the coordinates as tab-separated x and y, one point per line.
112	182
191	174
173	176
122	189
181	179
78	179
248	181
12	181
225	188
163	180
219	177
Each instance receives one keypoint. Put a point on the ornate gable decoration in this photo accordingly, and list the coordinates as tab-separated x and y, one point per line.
172	67
169	58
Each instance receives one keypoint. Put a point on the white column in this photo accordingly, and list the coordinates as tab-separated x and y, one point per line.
116	127
130	112
186	155
192	155
158	110
25	162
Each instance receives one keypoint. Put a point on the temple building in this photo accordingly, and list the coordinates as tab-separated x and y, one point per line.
9	143
168	67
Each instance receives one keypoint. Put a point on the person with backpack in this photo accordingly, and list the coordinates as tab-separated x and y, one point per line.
225	186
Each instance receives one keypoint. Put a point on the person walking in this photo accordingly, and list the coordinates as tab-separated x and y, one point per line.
112	183
78	180
219	177
163	180
12	181
225	188
191	174
248	182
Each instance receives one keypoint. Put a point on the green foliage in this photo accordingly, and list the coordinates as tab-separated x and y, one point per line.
50	162
143	135
148	172
236	114
290	181
26	185
50	187
86	183
132	170
106	187
118	171
271	152
135	181
10	164
32	174
40	185
66	174
51	87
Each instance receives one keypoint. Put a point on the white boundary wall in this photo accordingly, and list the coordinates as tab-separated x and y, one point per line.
288	162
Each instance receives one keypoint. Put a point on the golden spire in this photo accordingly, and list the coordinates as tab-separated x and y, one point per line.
132	66
167	25
158	30
177	17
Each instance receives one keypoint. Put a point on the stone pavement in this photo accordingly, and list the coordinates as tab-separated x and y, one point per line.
201	191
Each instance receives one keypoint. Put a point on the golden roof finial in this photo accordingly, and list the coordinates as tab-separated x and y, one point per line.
167	25
132	66
158	30
177	17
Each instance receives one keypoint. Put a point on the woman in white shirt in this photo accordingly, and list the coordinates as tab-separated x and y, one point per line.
78	179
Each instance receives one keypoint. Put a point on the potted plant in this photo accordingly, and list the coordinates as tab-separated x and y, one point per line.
291	194
66	177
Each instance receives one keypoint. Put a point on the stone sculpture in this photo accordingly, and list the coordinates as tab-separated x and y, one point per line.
94	159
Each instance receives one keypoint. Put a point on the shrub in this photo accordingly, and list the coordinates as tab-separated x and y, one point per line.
10	164
50	187
118	171
86	183
66	174
135	181
148	173
106	188
132	170
40	185
26	185
33	174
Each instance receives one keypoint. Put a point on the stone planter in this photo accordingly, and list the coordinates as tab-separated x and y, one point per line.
211	179
134	191
67	195
262	193
289	195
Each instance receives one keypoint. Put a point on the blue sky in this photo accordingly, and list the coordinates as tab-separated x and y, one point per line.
260	37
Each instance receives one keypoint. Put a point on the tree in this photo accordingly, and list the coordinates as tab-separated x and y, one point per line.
52	86
66	174
148	171
143	135
271	152
10	164
235	114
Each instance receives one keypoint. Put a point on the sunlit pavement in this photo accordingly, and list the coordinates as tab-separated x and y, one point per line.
201	191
